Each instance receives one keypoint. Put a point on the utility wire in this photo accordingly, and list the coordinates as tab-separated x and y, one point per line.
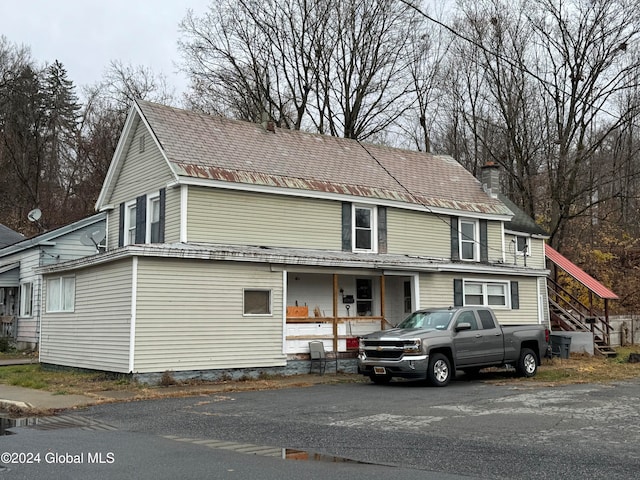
446	221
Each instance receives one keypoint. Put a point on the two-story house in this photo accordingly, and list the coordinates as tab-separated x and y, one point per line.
231	245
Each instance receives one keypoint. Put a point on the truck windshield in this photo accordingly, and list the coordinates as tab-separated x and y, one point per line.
437	320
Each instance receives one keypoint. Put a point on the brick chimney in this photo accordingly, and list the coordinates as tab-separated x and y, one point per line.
490	178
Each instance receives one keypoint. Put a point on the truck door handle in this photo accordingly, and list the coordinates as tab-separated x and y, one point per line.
498	334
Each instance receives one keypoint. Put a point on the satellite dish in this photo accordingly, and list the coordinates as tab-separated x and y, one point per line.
34	215
93	237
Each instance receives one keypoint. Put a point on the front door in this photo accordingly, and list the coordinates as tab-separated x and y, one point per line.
467	342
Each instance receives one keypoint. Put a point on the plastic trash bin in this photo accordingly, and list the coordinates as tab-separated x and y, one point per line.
560	346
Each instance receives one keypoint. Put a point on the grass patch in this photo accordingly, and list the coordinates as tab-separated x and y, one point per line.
61	382
587	369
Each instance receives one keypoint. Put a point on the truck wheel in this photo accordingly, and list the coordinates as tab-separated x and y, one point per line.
527	363
439	372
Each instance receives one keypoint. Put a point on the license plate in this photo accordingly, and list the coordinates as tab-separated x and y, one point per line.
379	370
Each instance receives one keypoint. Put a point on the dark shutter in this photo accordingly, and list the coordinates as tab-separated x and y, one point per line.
382	229
141	218
458	300
163	195
515	296
484	249
346	226
455	248
121	226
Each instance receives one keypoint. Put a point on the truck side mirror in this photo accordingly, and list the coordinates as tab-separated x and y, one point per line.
463	326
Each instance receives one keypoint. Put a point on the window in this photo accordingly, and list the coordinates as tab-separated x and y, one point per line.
469	240
487	319
26	299
257	302
130	223
364	229
468	317
522	245
61	293
364	297
489	294
407	298
153	225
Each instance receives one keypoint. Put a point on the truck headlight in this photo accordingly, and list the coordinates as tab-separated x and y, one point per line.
415	346
360	345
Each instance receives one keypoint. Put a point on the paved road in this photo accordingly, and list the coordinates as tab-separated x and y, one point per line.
468	430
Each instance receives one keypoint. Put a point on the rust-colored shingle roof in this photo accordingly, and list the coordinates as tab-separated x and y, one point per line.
204	146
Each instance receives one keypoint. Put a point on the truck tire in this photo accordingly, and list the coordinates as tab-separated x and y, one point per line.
527	363
439	371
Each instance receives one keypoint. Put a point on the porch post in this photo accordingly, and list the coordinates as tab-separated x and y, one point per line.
335	313
382	295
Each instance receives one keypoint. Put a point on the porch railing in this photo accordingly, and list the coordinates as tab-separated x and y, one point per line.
335	321
570	314
8	326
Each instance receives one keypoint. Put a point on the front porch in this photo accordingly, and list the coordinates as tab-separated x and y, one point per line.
337	308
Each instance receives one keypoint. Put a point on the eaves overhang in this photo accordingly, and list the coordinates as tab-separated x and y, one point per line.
349	193
290	258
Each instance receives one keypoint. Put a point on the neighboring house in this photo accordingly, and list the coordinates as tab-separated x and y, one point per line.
8	236
20	285
231	245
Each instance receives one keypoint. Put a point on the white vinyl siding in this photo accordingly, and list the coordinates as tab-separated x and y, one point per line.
226	216
140	173
436	290
536	257
96	334
172	215
190	316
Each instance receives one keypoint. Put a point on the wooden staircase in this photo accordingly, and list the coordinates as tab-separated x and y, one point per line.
568	314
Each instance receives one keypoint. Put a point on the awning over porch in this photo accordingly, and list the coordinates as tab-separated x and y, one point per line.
10	275
580	275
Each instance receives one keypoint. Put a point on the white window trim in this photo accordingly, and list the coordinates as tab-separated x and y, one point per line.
485	299
127	221
476	239
61	308
150	199
270	314
374	228
23	300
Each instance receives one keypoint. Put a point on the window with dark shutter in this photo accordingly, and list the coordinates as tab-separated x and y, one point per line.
455	246
121	226
141	219
346	226
382	229
515	296
484	247
457	293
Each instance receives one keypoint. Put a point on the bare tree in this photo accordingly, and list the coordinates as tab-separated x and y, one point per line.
585	62
336	67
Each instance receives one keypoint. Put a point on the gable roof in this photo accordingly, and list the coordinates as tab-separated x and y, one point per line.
205	148
8	236
521	222
51	234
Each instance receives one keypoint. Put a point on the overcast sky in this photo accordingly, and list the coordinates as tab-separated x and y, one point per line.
85	35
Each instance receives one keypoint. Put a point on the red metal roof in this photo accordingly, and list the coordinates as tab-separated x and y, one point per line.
580	275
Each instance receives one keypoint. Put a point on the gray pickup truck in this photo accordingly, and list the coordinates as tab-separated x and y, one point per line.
433	343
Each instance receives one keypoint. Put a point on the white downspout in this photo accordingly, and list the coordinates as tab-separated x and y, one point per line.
134	295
